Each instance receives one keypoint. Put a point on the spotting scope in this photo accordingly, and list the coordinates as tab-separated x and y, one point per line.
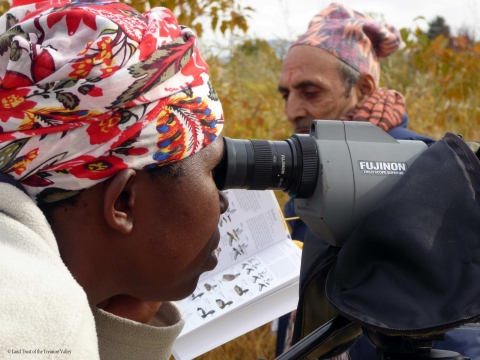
337	173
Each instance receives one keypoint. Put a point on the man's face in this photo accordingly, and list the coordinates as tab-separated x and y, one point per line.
179	230
312	88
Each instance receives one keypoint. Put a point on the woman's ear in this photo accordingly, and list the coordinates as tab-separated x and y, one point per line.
119	200
365	86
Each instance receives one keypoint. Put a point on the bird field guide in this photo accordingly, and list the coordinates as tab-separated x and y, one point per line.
255	281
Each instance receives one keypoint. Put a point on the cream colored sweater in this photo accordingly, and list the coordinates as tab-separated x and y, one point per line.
44	313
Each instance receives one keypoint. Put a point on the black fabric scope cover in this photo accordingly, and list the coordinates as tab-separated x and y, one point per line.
413	265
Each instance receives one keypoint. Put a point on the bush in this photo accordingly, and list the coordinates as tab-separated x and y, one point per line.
440	81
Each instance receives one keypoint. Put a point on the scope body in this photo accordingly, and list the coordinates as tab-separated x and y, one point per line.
359	164
337	174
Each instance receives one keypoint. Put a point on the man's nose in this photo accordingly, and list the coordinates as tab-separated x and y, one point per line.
224	204
294	109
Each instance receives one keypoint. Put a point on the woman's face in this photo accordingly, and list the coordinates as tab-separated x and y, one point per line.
177	230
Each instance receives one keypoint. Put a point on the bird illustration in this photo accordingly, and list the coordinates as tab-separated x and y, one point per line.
239	290
230	238
262	274
209	287
236	253
221	304
249	270
203	313
243	265
222	219
230	277
255	278
218	251
242	248
196	296
261	286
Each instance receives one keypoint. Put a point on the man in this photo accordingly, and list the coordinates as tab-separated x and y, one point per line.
109	128
332	72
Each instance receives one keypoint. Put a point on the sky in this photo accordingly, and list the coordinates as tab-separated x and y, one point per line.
287	19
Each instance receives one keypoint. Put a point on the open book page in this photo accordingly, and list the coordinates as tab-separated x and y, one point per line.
225	328
252	222
255	281
247	281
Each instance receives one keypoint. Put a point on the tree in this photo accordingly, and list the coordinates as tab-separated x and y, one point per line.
221	14
438	26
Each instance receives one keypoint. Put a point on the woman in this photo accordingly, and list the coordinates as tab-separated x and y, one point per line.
109	128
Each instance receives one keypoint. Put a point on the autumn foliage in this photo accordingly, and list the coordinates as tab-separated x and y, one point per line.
440	80
224	15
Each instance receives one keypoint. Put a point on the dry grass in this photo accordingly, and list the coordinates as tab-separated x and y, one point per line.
259	343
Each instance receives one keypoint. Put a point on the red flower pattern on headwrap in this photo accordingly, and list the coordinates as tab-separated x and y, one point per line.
124	90
15	105
72	19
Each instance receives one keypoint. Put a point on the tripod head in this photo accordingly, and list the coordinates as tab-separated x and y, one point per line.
391	347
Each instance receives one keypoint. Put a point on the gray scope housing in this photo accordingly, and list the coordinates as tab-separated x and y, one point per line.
337	174
359	164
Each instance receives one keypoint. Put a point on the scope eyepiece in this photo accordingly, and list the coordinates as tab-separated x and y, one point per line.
290	165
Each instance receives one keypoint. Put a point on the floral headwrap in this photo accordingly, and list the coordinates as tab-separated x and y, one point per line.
89	88
353	37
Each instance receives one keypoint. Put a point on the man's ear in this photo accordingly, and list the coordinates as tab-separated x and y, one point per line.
119	199
365	86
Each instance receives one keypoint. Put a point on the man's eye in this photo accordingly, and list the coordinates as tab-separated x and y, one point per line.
311	93
285	96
